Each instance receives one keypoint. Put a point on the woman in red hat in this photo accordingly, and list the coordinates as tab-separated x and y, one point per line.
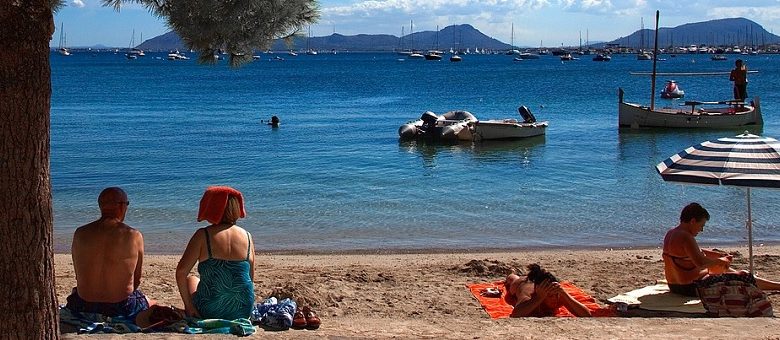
226	259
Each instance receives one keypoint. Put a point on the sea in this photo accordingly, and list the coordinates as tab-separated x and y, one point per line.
334	176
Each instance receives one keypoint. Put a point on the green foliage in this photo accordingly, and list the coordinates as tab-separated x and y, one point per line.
236	26
56	5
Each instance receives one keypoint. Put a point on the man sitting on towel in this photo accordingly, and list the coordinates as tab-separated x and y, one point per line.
107	257
539	295
685	262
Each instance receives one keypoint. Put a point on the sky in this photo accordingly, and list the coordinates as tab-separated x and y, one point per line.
536	22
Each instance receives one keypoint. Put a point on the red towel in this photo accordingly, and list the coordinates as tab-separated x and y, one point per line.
497	308
214	201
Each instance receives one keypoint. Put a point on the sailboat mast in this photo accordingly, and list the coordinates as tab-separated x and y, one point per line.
655	60
512	37
62	37
437	37
411	35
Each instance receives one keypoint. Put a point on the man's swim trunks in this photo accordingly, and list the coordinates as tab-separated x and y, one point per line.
129	307
686	290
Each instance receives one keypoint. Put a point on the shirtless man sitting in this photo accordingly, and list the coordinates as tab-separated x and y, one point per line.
685	262
107	258
539	295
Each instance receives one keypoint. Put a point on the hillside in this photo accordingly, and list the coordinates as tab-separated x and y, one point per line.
451	36
721	32
733	31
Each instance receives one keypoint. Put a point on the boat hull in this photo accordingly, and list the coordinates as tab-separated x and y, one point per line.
636	116
506	129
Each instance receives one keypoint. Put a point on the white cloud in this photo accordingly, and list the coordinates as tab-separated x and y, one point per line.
77	3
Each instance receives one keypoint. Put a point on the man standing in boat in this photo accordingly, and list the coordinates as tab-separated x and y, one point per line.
739	77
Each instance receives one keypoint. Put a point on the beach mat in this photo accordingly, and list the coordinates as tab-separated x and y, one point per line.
658	298
498	308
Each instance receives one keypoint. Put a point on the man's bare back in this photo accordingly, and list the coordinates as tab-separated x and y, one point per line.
107	258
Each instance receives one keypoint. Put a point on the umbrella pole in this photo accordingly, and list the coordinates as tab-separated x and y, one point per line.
749	225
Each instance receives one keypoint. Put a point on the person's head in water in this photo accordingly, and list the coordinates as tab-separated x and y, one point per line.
274	121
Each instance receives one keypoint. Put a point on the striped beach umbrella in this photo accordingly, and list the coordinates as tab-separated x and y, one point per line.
745	160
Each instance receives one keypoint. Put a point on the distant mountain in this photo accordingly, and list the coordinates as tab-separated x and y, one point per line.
166	42
721	32
465	36
729	32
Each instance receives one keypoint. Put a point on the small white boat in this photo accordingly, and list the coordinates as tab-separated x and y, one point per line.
462	125
527	55
176	55
508	128
672	90
455	58
433	55
644	56
567	57
416	55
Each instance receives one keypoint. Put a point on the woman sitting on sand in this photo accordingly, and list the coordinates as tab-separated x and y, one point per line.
539	294
226	260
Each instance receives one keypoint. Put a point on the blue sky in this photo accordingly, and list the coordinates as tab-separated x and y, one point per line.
551	22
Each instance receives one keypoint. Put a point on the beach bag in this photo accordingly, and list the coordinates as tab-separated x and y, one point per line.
733	295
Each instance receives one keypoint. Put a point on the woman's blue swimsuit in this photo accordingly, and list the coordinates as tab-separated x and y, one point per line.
225	290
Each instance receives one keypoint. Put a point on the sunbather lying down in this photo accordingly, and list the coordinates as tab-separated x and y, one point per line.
538	294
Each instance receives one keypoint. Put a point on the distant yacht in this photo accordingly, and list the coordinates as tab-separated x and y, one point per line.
309	50
133	52
62	50
177	56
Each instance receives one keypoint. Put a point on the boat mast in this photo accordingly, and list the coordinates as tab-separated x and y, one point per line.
655	60
411	35
512	37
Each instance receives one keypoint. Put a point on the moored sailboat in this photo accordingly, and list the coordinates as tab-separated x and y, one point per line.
61	49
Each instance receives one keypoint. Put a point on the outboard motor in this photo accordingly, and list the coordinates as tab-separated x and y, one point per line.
528	117
429	122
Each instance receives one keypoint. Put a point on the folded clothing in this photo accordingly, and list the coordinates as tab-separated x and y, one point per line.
275	316
498	308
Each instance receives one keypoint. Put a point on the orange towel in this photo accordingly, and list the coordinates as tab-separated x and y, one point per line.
214	201
497	308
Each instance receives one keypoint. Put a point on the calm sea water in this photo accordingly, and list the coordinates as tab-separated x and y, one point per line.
335	177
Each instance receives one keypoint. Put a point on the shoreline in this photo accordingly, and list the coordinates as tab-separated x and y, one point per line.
471	250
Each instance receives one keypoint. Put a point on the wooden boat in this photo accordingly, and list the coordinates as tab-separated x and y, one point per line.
691	114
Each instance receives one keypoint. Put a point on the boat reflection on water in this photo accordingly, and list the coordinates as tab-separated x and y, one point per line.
643	146
522	150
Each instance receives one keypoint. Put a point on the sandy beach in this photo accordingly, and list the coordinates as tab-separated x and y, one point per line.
423	295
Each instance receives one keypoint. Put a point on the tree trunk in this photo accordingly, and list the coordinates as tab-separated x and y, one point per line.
28	300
